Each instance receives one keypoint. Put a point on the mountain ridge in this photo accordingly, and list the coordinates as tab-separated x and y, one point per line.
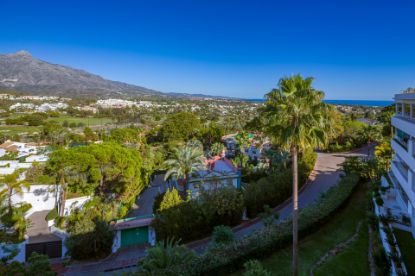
21	72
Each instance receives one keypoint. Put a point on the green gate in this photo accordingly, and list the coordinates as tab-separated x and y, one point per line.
134	236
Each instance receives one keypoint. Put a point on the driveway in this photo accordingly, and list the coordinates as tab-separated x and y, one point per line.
144	203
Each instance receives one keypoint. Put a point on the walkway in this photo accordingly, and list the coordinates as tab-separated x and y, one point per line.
144	203
38	230
326	174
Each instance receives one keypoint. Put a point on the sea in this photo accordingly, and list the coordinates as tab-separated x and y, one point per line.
343	102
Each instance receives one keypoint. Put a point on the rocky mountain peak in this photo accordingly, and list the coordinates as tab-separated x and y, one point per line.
22	53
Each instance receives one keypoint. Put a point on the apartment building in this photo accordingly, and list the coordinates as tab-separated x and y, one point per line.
402	173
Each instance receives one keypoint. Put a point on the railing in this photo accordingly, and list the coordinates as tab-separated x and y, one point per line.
405	117
401	169
401	143
401	191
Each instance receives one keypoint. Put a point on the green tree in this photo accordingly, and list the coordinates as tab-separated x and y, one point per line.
211	134
296	118
180	126
52	131
170	199
126	136
185	161
90	135
72	170
119	171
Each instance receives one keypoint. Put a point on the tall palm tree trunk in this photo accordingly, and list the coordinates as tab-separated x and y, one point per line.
294	155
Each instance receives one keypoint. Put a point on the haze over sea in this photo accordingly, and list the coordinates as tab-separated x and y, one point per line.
344	102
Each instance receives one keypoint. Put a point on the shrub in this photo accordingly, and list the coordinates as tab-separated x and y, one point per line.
39	265
170	199
196	219
255	268
89	239
277	187
163	256
222	235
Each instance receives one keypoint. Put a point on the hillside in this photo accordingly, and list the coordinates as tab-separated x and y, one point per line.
22	72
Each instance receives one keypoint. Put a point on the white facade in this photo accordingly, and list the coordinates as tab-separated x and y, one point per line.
44	197
402	171
219	173
9	166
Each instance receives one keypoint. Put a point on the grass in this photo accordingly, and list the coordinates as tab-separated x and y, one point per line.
352	261
86	121
17	129
407	246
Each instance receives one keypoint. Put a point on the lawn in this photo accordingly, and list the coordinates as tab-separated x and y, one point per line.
17	129
352	261
86	121
407	246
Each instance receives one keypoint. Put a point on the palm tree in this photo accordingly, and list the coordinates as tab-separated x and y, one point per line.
296	118
166	255
12	186
185	161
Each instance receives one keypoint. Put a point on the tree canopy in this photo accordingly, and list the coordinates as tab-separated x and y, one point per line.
180	126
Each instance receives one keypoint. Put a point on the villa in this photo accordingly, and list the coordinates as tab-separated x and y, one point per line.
401	201
21	149
219	173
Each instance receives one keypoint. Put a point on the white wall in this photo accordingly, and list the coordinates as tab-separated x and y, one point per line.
116	244
44	197
41	197
152	236
73	203
9	166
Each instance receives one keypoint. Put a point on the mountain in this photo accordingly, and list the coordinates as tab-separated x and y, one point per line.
23	73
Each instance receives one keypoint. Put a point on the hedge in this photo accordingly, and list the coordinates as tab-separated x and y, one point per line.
195	219
274	189
269	239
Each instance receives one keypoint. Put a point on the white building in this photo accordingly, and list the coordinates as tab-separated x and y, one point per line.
402	172
115	103
51	107
21	149
219	173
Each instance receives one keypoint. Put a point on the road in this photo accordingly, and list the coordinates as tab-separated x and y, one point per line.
326	173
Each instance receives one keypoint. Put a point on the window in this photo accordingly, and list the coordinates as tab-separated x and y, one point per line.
399	108
407	109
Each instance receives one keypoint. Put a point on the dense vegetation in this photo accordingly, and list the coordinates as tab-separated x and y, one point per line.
267	239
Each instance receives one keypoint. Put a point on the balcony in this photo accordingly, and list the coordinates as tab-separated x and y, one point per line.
402	143
402	168
402	194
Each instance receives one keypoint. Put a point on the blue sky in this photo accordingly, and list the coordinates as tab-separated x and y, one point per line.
354	49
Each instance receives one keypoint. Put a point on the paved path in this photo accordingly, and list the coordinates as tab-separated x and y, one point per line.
144	203
326	174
